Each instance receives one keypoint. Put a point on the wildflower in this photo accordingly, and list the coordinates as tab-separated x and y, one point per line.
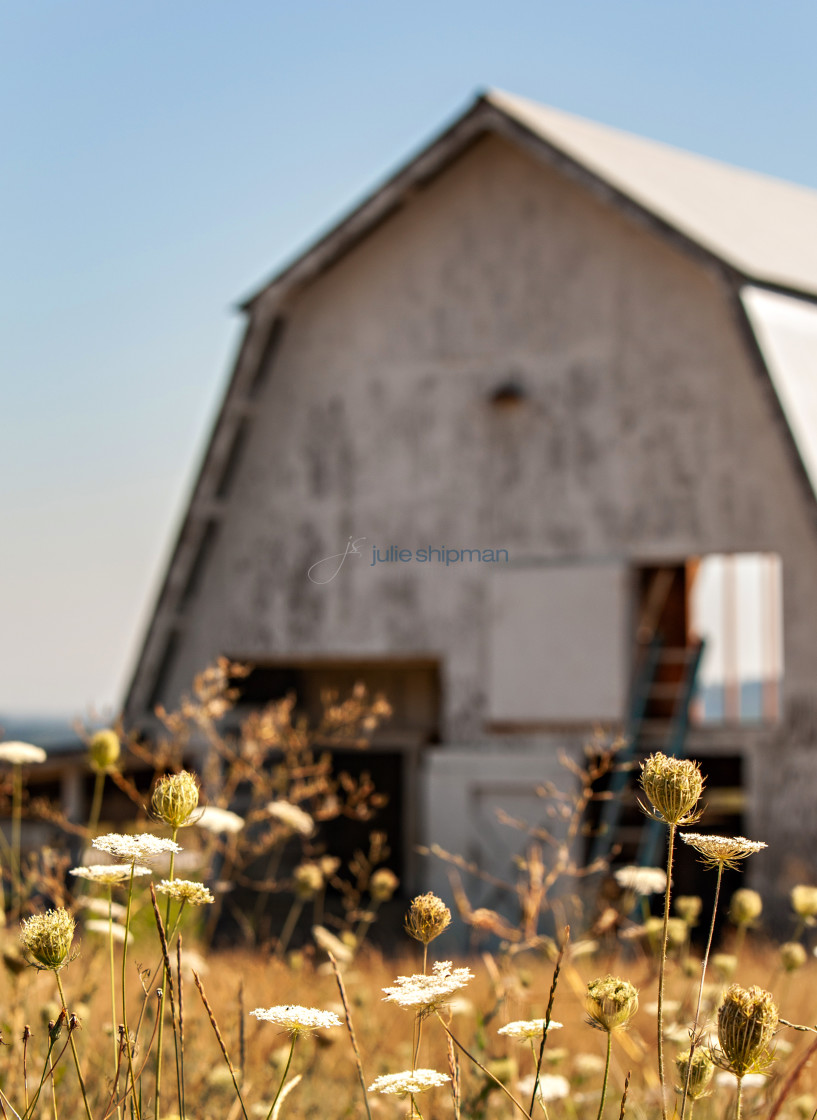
792	956
410	1081
642	880
427	993
724	851
21	754
688	908
552	1087
673	787
747	1020
297	1020
308	880
47	938
218	820
117	932
746	907
524	1029
142	847
804	902
700	1070
383	884
109	873
427	917
292	817
611	1003
185	890
104	750
175	799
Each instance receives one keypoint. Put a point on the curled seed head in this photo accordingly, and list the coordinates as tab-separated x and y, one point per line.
747	1020
383	884
47	938
746	907
427	917
176	798
104	749
673	787
792	956
701	1069
610	1003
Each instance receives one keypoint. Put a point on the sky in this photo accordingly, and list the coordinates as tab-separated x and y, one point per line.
161	159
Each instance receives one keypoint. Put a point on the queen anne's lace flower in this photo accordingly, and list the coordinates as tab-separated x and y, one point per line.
185	890
409	1082
142	847
47	938
109	873
296	1019
430	992
218	820
724	850
642	880
21	754
292	817
524	1029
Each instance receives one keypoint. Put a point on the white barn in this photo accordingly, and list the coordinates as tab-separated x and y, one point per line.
574	359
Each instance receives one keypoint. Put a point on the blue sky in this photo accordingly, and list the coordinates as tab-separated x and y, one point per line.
160	159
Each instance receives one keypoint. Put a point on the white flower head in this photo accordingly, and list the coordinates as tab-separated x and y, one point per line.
292	817
552	1087
216	820
296	1019
409	1082
524	1029
99	925
185	890
21	754
144	847
642	880
109	873
724	851
426	994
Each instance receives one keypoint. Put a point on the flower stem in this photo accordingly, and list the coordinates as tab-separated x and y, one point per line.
166	980
128	1046
116	1058
740	1099
606	1074
96	803
662	967
705	962
283	1079
73	1047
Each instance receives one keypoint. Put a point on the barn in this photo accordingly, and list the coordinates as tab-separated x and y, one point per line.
526	442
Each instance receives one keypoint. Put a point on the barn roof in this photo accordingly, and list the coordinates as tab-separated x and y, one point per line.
762	228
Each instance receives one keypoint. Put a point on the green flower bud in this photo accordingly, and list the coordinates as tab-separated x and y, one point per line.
104	749
792	956
383	884
673	787
47	938
746	907
688	908
804	902
175	799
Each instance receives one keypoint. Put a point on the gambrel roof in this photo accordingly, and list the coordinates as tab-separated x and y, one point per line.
757	233
754	224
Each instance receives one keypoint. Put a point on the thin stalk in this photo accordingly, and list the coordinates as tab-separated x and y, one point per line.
167	980
96	803
705	962
351	1031
53	1088
661	970
624	1096
128	1047
73	1047
283	1079
557	968
26	1037
46	1066
536	1085
181	1020
740	1099
220	1040
116	1050
606	1074
289	925
167	986
480	1066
